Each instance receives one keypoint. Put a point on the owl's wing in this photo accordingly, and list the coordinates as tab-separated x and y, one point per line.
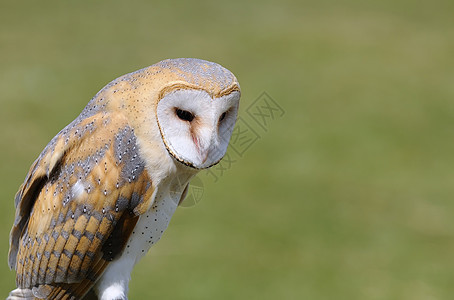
78	206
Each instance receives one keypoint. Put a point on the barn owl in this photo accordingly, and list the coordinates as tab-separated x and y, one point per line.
103	190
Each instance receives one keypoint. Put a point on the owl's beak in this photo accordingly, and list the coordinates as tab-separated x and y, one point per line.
206	145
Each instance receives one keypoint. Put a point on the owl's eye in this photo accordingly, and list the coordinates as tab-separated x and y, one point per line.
184	115
222	117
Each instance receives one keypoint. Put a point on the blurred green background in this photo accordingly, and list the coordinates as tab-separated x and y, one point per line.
348	195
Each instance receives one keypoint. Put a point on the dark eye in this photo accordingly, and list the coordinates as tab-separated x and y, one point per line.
222	117
184	115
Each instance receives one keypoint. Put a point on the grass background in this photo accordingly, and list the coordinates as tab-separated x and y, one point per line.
347	196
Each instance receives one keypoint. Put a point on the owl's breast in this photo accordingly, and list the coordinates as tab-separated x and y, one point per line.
152	224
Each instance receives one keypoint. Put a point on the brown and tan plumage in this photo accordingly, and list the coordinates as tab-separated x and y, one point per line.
67	229
119	163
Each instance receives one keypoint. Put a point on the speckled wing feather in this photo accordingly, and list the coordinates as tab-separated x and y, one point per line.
78	206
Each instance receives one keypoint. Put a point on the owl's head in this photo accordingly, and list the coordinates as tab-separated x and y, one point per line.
187	106
196	115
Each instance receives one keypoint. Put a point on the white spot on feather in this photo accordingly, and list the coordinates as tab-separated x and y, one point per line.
77	189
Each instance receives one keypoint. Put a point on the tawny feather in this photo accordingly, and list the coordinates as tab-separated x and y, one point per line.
69	225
